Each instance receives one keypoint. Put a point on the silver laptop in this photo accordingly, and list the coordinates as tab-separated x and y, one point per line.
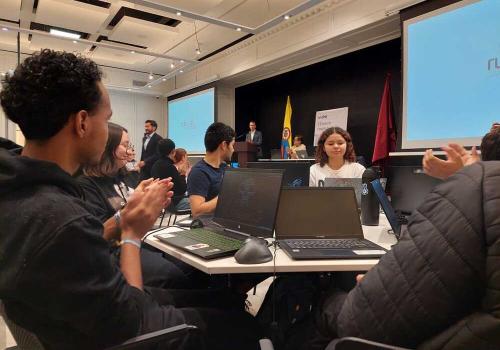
327	225
302	154
346	182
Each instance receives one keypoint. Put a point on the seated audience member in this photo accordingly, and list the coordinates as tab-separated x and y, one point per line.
105	187
164	168
181	161
132	176
457	156
335	157
437	288
297	146
206	176
56	276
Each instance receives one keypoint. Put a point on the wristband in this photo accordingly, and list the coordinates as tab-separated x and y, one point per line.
135	242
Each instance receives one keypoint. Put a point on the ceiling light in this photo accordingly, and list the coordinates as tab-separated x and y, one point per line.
238	29
74	41
132	51
5	29
164	79
182	61
286	17
129	89
64	34
179	13
172	65
198	52
151	77
181	71
149	86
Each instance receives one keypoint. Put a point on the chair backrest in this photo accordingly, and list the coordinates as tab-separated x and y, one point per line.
24	339
352	343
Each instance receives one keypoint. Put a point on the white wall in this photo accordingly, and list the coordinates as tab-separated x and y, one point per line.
130	110
225	104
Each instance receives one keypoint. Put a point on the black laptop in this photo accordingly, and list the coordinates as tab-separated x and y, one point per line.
392	217
322	223
247	205
296	172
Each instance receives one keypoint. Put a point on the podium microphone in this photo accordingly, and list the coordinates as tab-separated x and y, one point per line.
240	136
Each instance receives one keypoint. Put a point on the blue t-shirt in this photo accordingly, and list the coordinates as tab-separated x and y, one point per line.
205	180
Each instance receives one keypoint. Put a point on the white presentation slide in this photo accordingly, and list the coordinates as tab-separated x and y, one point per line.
189	118
451	84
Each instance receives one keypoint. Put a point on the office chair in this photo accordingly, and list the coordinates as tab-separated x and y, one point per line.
173	212
352	343
28	341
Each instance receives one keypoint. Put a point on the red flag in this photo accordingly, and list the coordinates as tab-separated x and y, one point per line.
385	140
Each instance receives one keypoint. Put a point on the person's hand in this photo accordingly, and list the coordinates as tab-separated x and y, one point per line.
359	277
141	164
456	158
144	206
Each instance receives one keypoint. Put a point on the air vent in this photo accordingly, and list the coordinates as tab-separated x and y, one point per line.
138	83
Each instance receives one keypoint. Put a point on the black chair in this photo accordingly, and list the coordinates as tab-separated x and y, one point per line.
173	212
28	341
352	343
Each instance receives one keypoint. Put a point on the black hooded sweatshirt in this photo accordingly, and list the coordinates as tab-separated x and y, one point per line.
56	275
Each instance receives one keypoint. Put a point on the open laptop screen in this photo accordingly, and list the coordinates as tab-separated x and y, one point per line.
296	172
248	201
318	212
387	207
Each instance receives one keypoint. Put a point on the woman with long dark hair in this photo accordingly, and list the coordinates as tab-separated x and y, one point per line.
335	157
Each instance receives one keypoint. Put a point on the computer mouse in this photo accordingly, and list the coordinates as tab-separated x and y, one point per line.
254	251
196	223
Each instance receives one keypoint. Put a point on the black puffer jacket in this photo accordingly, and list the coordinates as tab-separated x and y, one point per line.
439	287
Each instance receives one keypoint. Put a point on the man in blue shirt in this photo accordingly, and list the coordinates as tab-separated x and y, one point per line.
205	177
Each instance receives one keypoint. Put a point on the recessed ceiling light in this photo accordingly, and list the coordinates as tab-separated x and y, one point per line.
74	41
181	71
164	79
198	52
151	77
179	13
132	51
129	89
238	29
64	34
149	86
5	29
172	65
182	61
286	17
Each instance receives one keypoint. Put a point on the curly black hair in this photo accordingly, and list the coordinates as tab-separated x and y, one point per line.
46	89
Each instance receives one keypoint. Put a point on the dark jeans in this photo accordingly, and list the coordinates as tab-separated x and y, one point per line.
219	315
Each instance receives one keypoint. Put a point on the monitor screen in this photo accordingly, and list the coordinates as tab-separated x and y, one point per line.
387	207
296	173
318	212
248	201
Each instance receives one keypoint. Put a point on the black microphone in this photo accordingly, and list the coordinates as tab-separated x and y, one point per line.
369	202
240	136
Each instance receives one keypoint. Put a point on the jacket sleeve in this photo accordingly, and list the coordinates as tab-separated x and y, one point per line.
432	278
84	288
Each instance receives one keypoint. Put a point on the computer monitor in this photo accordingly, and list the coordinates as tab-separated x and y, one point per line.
248	200
408	186
387	207
296	172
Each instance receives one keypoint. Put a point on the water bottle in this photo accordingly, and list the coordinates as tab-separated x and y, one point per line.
369	202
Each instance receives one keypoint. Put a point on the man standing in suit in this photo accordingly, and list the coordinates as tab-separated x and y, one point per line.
149	154
254	136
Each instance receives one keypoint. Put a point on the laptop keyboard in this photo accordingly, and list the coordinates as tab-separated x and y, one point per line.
213	239
329	243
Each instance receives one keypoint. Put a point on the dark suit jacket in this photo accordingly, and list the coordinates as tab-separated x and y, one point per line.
257	138
149	155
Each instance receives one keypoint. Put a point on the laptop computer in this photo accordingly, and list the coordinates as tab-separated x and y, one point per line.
296	172
322	223
346	182
247	205
392	217
302	154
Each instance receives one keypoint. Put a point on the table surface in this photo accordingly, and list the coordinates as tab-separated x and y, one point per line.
283	263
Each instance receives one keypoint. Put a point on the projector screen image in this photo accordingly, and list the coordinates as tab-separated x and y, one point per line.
451	89
189	118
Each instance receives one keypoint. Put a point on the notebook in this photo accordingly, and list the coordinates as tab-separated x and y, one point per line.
346	182
392	217
247	205
322	223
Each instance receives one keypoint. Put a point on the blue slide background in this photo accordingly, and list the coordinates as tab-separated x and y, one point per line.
189	118
450	91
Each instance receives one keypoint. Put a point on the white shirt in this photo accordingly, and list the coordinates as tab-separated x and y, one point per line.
348	170
251	135
148	137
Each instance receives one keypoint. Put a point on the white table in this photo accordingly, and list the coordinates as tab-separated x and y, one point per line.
377	234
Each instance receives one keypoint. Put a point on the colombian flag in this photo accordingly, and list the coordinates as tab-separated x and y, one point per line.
286	135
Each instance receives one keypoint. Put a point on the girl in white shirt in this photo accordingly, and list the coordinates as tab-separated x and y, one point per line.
335	157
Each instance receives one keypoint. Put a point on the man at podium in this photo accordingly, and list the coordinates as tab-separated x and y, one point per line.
254	136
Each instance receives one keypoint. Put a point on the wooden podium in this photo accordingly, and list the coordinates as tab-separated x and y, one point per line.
246	152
